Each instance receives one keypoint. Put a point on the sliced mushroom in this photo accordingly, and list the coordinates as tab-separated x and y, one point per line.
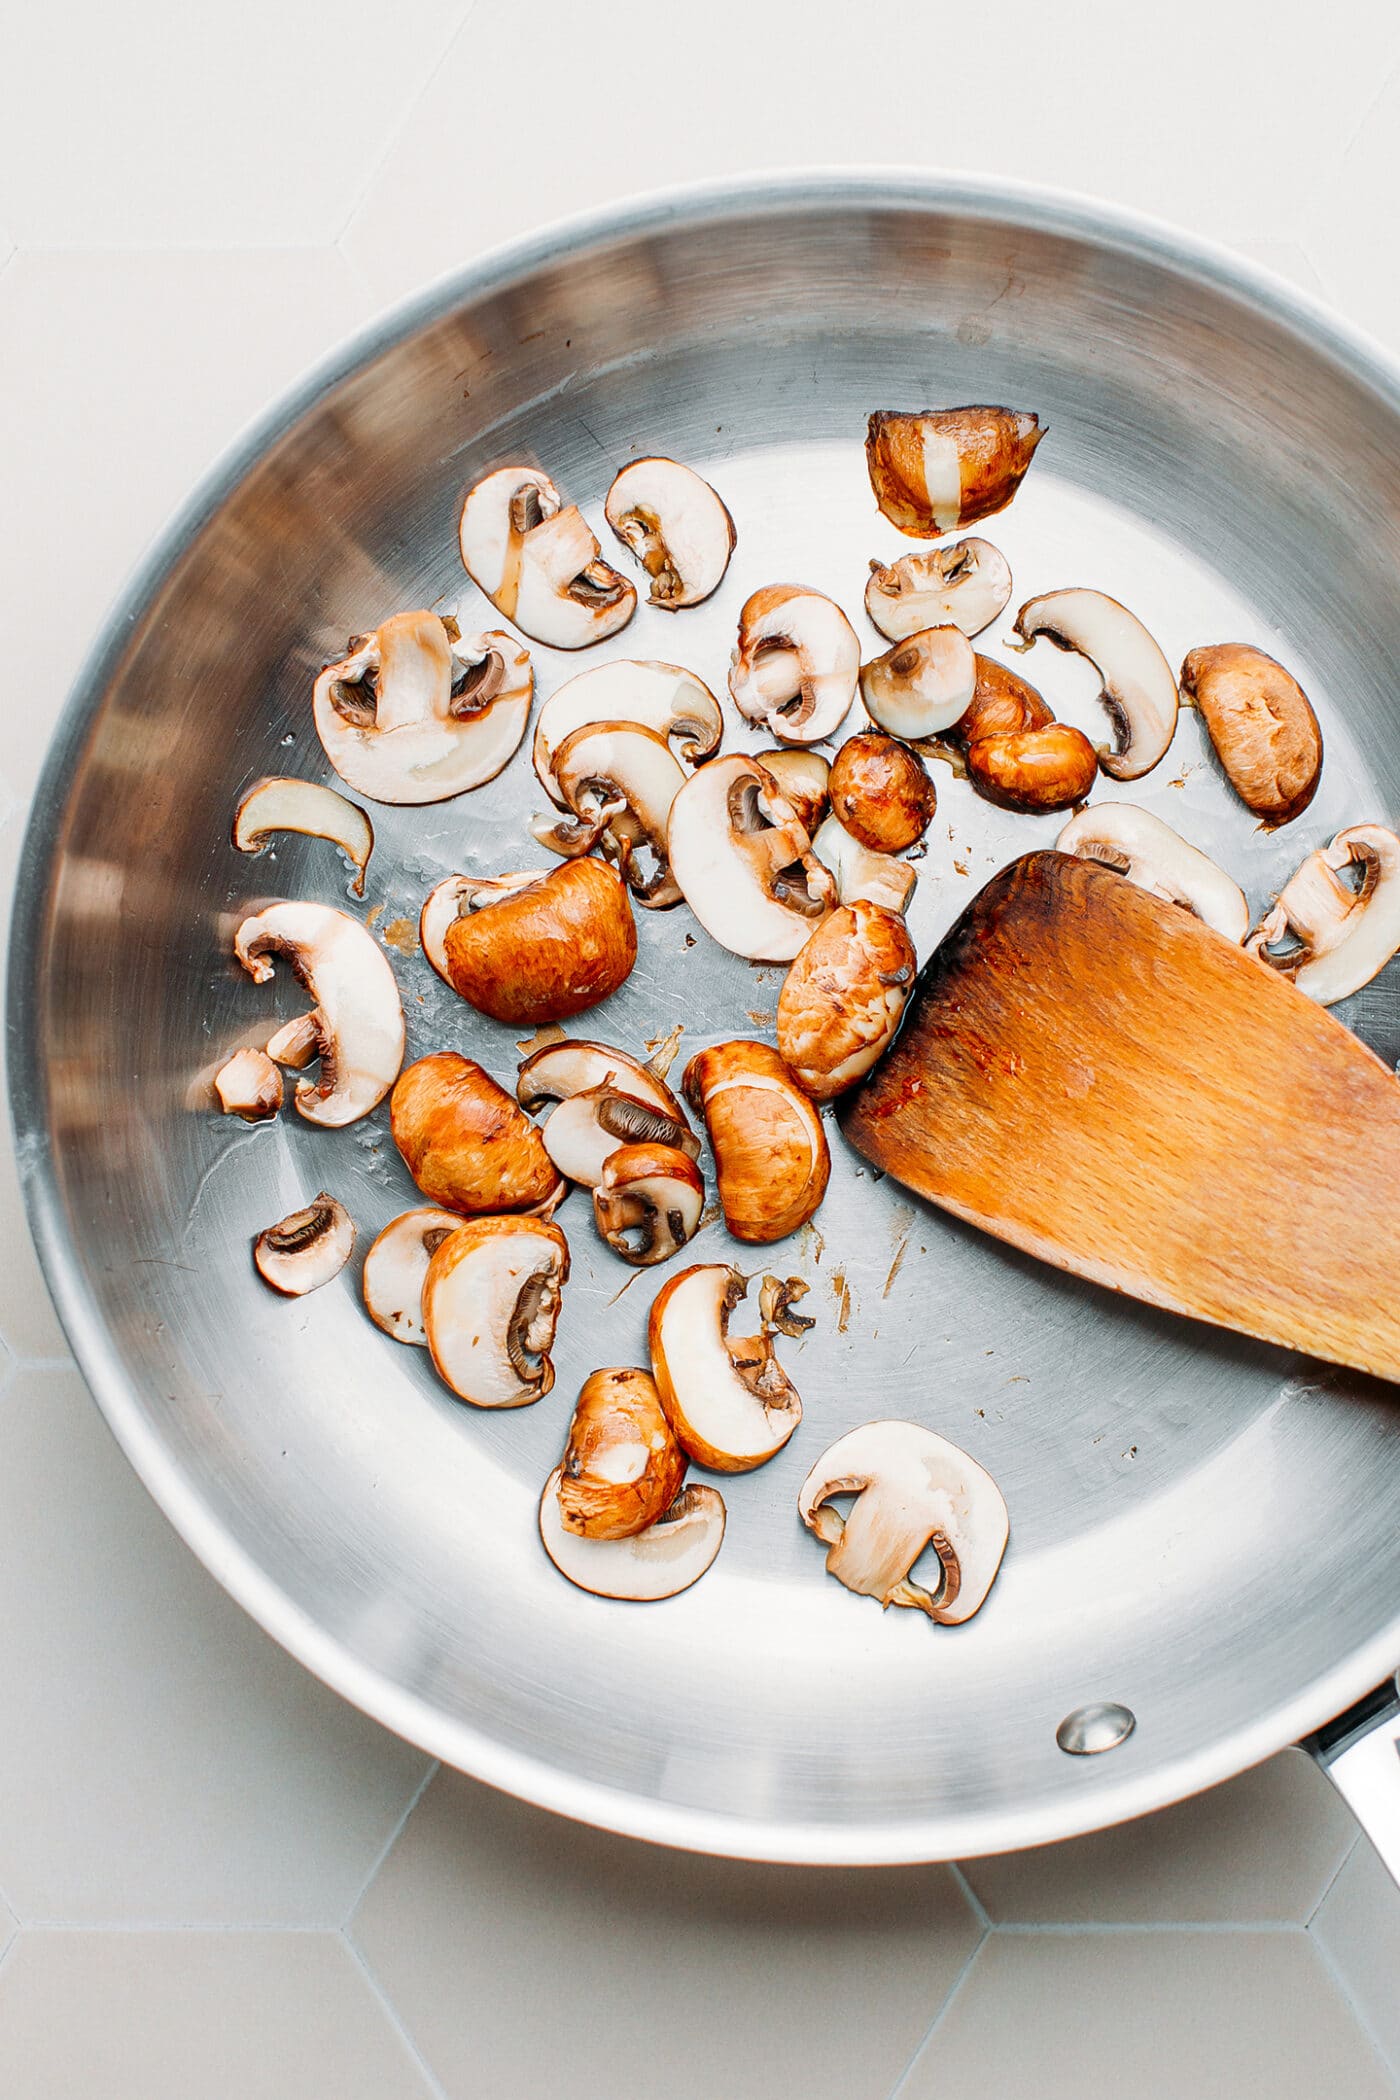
776	1298
1002	702
606	1100
302	1252
771	1157
1342	936
249	1084
296	1043
913	1490
663	698
1139	691
622	1465
309	807
1033	769
881	792
619	780
1261	723
532	947
659	1562
357	1017
677	527
843	998
396	1267
963	586
647	1202
415	712
804	779
946	467
744	861
490	1307
1122	836
468	1146
923	685
729	1402
796	663
875	878
538	562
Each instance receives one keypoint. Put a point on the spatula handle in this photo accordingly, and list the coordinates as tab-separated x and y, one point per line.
1360	1753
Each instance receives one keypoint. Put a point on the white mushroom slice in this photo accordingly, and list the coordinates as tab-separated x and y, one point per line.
1343	935
913	1489
744	861
307	1249
804	777
659	1562
965	586
669	701
307	806
876	878
1139	685
606	1100
1159	860
491	1305
249	1084
677	527
358	1017
395	1269
647	1202
729	1402
416	712
796	663
619	780
538	562
923	685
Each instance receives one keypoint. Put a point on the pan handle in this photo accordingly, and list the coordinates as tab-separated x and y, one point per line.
1360	1753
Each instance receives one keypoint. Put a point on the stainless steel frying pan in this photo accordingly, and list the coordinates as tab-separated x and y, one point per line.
1204	1530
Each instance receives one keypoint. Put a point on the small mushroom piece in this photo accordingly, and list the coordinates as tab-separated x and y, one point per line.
860	875
307	1249
923	685
913	1489
468	1146
619	780
416	713
606	1100
663	698
1342	935
947	467
531	947
661	1561
1139	691
804	779
796	663
771	1157
357	1016
622	1465
538	562
963	586
396	1267
776	1298
295	1043
1148	852
249	1084
1261	723
881	792
676	526
1033	769
730	1404
490	1307
744	861
307	806
647	1202
843	998
1002	702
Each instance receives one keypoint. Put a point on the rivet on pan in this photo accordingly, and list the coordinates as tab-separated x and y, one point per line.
1089	1729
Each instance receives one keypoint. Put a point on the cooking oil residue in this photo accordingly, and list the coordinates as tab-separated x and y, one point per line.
401	934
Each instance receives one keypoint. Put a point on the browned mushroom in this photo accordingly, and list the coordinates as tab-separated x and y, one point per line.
771	1157
946	467
1262	725
1034	769
622	1465
490	1307
843	998
648	1201
729	1401
468	1146
881	792
532	947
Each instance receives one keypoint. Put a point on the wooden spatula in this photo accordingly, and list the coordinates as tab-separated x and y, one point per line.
1098	1078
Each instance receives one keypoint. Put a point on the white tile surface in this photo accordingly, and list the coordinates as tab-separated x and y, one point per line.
1358	1926
8	1927
1345	228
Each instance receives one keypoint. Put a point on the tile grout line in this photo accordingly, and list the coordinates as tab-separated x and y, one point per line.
392	2015
7	1951
973	1900
434	1767
1333	1878
151	1928
401	127
1091	1928
927	2036
1362	2024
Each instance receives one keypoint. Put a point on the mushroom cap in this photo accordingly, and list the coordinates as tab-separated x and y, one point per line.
1344	936
1034	769
730	1404
490	1307
416	713
468	1146
1148	852
1262	725
619	780
804	780
923	685
395	1269
622	1466
881	792
913	1489
357	1017
744	861
860	875
795	664
771	1158
301	1252
664	698
309	807
666	1558
675	524
1139	689
606	1100
538	561
964	585
535	946
249	1084
936	469
843	998
655	1192
1002	702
